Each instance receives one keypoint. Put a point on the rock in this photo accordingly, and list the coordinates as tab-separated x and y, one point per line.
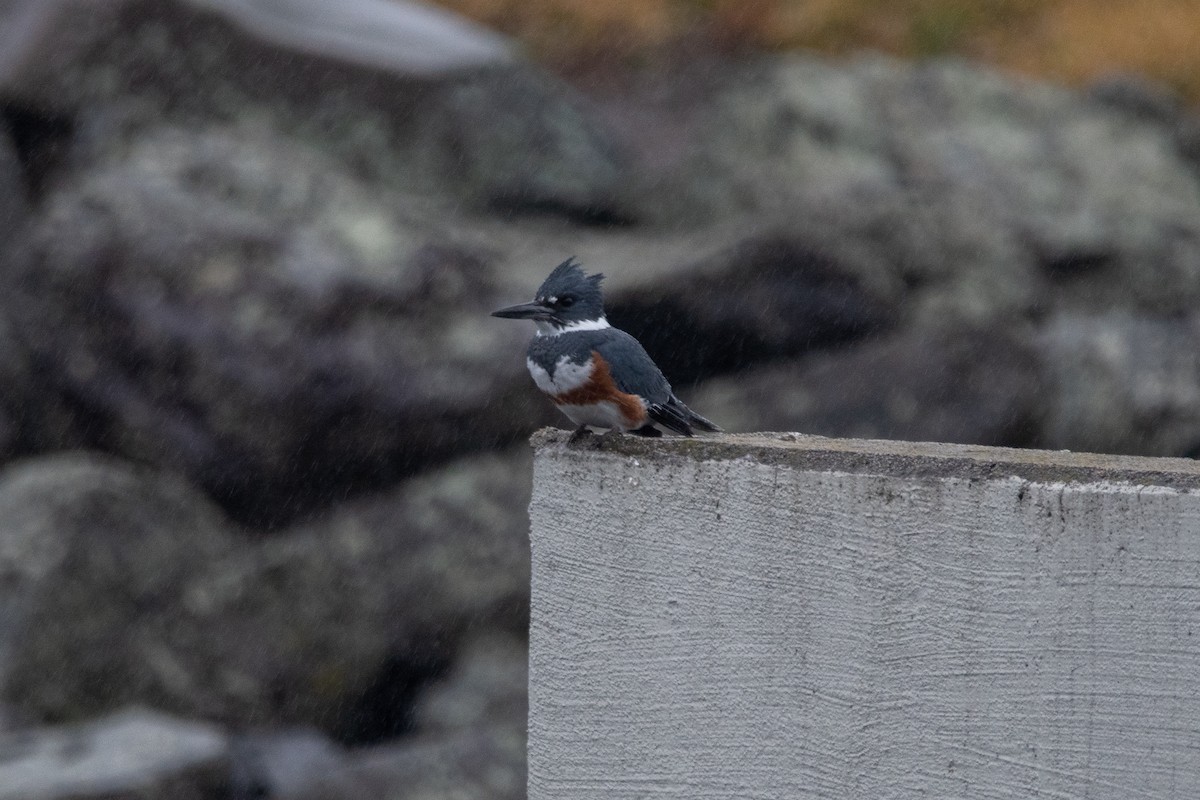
1145	100
128	755
96	565
522	142
233	306
13	189
482	760
293	765
397	35
766	297
974	196
397	583
486	763
951	385
31	420
1120	383
124	586
14	375
284	309
14	369
489	682
345	82
1138	97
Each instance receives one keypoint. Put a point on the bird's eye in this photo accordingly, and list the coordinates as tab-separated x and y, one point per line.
566	301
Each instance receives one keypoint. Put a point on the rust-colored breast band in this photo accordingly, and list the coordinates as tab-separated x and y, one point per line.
601	387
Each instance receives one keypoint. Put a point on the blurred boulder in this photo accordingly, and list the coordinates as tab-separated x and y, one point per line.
259	272
15	377
1139	98
14	368
1145	100
467	739
973	195
523	143
368	604
400	35
297	764
235	307
483	757
1120	383
765	297
394	35
488	682
973	386
483	763
128	755
96	565
13	190
125	586
399	93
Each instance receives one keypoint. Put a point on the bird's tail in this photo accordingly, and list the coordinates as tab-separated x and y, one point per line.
700	422
675	415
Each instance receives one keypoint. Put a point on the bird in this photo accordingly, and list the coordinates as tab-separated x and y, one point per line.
597	375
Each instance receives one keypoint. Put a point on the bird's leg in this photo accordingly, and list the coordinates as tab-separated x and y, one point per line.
580	433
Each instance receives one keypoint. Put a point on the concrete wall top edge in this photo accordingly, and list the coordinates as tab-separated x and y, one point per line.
884	457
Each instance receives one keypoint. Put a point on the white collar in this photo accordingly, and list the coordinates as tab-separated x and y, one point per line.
550	329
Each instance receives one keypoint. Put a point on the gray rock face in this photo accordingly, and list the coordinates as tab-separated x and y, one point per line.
96	560
14	373
487	683
294	765
370	601
952	385
405	36
988	196
467	736
503	131
486	763
13	200
254	265
14	369
408	38
122	586
569	164
130	755
236	308
766	297
1118	383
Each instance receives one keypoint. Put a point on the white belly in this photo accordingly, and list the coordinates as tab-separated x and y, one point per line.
597	415
567	376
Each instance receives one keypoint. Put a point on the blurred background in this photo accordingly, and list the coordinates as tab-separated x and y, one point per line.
263	524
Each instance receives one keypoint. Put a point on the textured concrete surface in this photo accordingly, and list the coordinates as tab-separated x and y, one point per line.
782	616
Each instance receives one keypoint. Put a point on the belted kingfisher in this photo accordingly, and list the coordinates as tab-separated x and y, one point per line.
600	377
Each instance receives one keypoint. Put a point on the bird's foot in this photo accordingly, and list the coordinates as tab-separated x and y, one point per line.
581	433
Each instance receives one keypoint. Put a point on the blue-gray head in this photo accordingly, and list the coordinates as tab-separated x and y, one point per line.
568	298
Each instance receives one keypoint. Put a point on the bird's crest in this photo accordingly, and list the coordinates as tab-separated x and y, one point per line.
569	280
571	272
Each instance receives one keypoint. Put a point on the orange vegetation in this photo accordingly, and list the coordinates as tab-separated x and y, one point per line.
1067	40
1076	41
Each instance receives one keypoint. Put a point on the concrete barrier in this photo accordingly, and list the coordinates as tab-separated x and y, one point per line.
780	616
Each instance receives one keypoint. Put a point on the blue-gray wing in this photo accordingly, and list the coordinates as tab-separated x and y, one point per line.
635	372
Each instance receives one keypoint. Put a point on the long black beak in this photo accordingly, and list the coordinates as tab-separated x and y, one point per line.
524	311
